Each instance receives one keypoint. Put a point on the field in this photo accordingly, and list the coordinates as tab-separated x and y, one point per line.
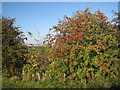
8	83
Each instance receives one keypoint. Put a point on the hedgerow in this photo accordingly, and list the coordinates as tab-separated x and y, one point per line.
84	50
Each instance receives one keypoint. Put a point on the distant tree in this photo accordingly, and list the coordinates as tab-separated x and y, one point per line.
13	48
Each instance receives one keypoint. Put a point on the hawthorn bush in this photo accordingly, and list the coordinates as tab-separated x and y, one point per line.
83	50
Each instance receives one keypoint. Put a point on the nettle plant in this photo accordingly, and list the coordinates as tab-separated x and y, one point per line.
83	48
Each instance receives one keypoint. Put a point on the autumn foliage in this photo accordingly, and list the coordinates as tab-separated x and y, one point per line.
83	49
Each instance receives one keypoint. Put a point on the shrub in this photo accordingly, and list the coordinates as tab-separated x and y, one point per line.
37	62
13	48
84	50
